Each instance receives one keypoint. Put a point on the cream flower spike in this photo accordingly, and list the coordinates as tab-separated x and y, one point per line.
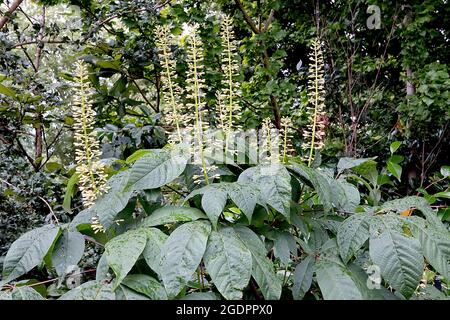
229	108
92	173
314	133
174	110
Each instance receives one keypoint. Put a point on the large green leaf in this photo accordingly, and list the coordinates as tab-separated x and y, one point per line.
284	245
67	252
110	204
156	169
172	214
91	290
229	263
146	285
318	181
213	202
28	251
399	258
123	251
153	248
303	277
262	267
352	233
333	277
244	196
435	246
274	184
182	253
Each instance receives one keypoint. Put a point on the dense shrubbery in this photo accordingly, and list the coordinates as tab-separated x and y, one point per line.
345	196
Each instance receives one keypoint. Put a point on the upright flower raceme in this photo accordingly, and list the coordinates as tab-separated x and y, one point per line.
314	133
174	109
91	172
227	97
195	89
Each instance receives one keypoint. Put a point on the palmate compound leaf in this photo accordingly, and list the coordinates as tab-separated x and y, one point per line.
352	233
435	245
68	251
229	263
123	251
28	251
399	258
319	183
182	253
156	169
91	290
214	197
274	186
333	277
262	267
303	277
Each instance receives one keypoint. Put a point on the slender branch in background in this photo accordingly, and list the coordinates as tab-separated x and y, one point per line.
51	210
247	18
8	14
143	95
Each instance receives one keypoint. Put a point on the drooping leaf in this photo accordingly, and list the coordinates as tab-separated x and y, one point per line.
28	251
303	277
110	204
153	248
395	169
229	263
213	202
91	290
284	245
102	269
123	251
319	183
274	184
172	214
333	276
262	267
244	196
69	192
399	258
146	285
67	252
435	246
349	163
182	253
352	233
